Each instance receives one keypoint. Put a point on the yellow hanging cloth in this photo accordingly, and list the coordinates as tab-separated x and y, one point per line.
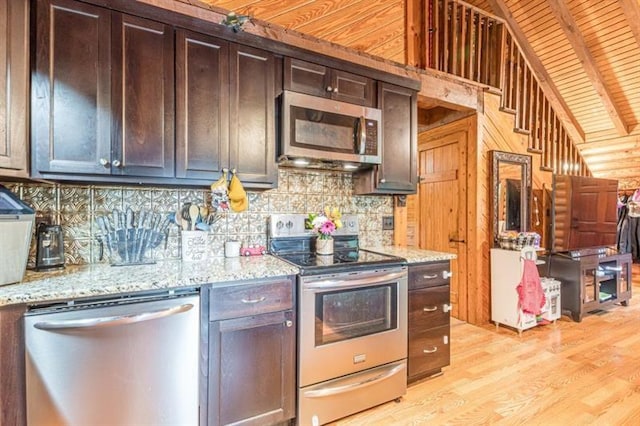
220	194
238	200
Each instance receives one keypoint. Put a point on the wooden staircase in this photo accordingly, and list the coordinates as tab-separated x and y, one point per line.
473	44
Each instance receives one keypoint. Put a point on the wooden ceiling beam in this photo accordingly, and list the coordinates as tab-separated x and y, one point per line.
575	38
631	11
544	80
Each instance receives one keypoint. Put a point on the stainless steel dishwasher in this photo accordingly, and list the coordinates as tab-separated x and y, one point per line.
125	361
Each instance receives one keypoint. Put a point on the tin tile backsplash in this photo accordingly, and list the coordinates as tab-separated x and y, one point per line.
75	207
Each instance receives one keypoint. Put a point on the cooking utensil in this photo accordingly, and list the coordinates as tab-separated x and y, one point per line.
186	219
194	215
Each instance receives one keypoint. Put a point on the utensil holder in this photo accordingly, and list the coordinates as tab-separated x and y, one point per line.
194	246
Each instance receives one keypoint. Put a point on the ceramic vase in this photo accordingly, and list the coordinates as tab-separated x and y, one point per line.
324	246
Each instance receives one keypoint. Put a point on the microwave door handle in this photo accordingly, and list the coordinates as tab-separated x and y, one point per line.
362	135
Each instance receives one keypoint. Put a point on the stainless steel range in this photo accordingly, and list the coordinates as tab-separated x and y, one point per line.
352	332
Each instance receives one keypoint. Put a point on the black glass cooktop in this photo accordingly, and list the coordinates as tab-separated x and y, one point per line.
343	261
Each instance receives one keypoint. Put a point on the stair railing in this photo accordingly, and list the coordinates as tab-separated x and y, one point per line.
473	44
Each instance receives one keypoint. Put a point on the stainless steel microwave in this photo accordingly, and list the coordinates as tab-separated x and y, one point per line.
317	128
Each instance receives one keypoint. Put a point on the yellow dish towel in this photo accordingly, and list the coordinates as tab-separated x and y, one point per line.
238	200
220	194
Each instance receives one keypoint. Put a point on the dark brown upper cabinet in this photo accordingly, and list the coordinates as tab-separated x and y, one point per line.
14	87
225	97
319	80
102	94
142	97
398	173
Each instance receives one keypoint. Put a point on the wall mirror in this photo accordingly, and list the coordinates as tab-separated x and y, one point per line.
511	191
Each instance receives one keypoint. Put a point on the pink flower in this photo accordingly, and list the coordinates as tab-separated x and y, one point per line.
327	228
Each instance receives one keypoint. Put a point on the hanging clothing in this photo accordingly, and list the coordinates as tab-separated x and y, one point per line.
530	293
623	235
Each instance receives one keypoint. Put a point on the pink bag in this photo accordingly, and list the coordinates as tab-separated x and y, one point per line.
530	293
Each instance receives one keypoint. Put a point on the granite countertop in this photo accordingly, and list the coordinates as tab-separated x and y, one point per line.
412	254
102	279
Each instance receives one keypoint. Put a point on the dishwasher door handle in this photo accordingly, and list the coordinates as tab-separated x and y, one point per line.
111	321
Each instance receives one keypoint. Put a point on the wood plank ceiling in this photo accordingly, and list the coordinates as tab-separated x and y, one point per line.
589	48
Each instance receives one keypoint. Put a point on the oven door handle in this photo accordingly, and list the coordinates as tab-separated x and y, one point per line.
344	283
335	390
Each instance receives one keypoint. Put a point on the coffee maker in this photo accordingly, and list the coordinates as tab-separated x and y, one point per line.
50	247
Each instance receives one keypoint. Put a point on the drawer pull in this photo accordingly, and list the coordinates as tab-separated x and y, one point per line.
430	277
447	274
288	323
258	300
446	308
430	351
430	309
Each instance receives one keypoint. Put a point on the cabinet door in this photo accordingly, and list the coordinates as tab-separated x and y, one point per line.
143	96
624	277
202	96
305	77
429	275
353	88
428	307
398	171
252	115
428	352
252	370
71	89
14	86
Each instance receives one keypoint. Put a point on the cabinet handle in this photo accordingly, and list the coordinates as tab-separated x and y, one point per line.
335	90
104	162
430	277
117	163
258	300
431	309
288	323
447	274
430	351
446	307
383	181
329	89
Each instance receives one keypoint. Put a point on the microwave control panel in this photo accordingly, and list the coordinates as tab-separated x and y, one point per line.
371	145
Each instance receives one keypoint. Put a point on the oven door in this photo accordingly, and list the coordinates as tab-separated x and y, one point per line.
351	322
319	128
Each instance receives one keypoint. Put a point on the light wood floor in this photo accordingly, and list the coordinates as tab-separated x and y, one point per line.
562	374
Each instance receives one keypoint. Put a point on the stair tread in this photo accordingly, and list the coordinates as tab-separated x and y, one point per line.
508	110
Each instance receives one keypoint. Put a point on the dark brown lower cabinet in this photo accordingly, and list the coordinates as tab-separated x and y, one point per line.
13	406
429	319
252	355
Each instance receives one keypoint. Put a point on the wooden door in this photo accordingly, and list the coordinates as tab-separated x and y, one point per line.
442	208
143	97
14	86
252	103
71	89
202	96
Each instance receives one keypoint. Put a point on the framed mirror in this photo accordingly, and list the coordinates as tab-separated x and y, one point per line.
511	191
